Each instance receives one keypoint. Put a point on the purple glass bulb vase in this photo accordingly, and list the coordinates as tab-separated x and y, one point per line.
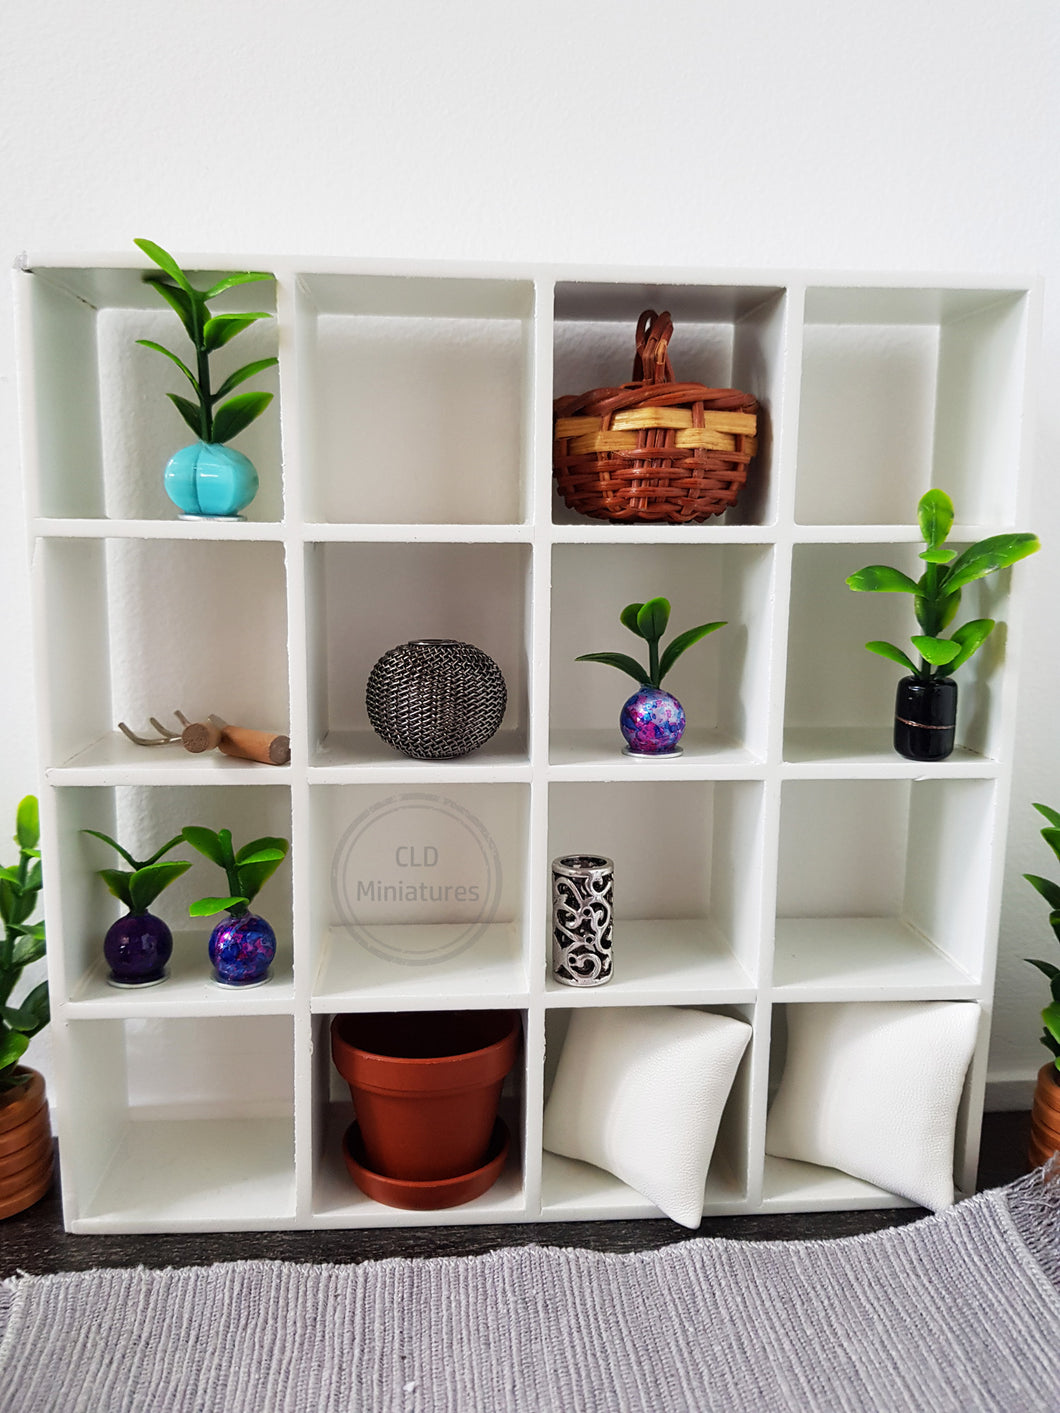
137	948
242	949
652	722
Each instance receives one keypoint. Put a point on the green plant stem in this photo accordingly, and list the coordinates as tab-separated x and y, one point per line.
653	662
205	401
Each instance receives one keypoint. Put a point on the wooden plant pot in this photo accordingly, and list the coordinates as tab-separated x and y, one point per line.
25	1145
1045	1116
425	1085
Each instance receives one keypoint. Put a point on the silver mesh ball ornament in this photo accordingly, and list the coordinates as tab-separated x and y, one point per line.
435	698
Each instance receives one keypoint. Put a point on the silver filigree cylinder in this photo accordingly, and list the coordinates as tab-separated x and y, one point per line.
582	919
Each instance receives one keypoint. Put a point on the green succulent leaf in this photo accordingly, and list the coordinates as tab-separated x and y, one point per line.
253	876
881	579
683	642
1049	890
206	842
206	907
619	660
186	308
1053	816
170	844
970	637
190	411
888	650
34	879
236	277
1046	968
222	328
937	651
1051	1019
935	517
628	617
32	1015
984	558
28	948
224	838
241	375
96	834
938	556
262	850
13	1046
652	619
238	412
146	883
1052	838
117	881
160	348
164	261
27	823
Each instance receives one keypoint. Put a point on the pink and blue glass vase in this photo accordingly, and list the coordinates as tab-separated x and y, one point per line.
653	722
242	950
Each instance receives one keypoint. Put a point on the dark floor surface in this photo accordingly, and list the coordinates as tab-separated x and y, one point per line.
35	1241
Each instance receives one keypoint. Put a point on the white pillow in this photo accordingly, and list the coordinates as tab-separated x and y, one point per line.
872	1088
640	1091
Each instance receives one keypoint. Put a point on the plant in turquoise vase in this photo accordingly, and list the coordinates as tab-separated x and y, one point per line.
652	721
23	943
139	945
243	945
926	705
209	478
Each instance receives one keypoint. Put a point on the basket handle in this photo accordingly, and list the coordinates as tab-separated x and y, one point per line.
652	363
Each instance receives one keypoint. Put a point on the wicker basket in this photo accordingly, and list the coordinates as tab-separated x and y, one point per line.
653	450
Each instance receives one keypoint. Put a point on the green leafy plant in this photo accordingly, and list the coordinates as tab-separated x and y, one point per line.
1050	891
246	871
208	332
937	593
649	621
139	887
23	943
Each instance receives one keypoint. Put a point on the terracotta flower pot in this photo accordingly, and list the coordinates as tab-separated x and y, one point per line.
25	1145
1045	1116
425	1085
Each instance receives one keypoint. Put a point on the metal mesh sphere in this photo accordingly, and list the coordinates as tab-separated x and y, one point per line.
436	699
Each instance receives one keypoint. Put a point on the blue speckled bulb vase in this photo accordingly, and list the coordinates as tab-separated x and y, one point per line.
653	722
242	950
209	480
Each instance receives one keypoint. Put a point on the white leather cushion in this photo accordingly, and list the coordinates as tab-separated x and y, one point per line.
872	1088
640	1091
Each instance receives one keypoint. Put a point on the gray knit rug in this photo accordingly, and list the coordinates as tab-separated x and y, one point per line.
955	1312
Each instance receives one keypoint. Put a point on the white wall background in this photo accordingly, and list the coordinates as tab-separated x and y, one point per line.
898	135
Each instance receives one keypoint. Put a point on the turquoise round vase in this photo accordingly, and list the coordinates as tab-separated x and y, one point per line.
652	722
209	479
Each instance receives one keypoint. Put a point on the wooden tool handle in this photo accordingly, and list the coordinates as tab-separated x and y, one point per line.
199	736
264	746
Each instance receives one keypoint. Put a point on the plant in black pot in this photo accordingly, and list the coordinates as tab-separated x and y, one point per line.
1045	1113
209	478
652	721
243	945
925	712
139	945
25	1129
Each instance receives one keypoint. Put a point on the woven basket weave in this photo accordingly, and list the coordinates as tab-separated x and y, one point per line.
654	449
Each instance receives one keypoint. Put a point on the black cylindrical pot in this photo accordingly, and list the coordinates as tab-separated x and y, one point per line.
925	717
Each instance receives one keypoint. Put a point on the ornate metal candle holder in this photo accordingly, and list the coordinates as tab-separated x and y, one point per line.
582	919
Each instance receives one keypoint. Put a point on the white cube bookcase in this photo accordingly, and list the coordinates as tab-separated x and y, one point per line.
788	856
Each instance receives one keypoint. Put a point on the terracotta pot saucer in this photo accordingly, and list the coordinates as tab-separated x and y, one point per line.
425	1196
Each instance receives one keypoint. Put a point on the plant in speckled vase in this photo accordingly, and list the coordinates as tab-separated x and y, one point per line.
652	721
139	945
243	945
208	478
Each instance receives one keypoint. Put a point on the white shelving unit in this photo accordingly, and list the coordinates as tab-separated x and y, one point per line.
788	856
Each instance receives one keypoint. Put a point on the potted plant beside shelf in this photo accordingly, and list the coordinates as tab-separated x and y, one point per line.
25	1129
209	478
1045	1113
242	946
652	721
139	945
925	710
